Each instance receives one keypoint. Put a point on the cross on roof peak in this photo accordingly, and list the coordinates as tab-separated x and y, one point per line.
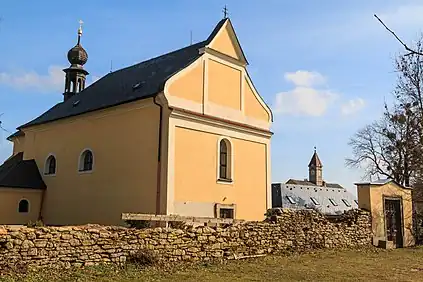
225	12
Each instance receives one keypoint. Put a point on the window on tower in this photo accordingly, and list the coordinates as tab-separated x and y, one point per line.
72	86
79	85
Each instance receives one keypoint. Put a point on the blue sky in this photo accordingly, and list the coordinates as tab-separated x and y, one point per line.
323	66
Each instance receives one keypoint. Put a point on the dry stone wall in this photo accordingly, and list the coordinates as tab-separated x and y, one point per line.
87	245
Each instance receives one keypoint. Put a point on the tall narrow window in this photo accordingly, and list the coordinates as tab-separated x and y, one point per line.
23	206
86	161
72	87
79	85
67	85
50	165
225	160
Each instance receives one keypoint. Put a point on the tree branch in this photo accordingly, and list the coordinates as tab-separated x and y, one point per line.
402	43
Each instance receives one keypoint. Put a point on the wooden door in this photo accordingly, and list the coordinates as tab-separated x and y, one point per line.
393	221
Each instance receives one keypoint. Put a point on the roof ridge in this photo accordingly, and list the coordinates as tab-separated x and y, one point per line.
155	58
117	87
216	30
203	42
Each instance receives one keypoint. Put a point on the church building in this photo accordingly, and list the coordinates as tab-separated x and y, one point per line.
185	133
313	193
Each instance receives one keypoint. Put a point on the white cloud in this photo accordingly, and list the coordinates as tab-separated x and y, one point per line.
305	99
305	78
53	81
352	106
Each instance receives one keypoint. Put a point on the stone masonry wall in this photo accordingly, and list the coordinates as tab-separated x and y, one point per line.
87	245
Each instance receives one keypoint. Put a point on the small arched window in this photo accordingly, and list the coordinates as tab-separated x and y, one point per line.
50	166
225	160
80	86
23	206
67	85
86	161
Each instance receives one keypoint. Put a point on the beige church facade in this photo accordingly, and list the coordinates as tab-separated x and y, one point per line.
185	133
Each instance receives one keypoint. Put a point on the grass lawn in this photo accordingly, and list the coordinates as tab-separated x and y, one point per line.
328	265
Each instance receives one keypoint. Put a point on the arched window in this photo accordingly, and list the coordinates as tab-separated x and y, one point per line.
72	86
67	84
79	85
86	161
23	206
225	160
50	166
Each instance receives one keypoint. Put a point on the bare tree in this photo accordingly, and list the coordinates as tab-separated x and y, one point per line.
408	103
392	147
379	149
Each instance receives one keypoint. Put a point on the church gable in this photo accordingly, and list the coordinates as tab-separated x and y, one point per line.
224	85
217	83
227	43
192	76
254	107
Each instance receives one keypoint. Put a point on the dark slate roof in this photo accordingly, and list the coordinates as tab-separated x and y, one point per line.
16	134
334	185
315	160
328	201
119	87
308	183
18	173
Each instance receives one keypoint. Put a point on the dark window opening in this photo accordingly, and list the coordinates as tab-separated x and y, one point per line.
346	203
224	161
333	202
51	165
87	164
79	85
23	206
226	213
291	200
314	200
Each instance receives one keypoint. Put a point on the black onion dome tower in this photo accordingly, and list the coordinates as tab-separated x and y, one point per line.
76	74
